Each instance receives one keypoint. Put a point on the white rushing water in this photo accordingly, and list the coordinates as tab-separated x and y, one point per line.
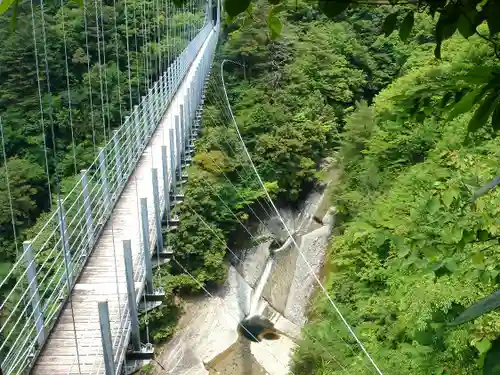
277	286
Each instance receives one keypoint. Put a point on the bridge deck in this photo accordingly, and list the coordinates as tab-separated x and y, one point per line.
98	280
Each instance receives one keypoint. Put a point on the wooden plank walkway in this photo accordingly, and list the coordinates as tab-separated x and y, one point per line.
103	278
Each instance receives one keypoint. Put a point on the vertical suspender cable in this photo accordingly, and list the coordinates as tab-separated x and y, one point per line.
68	88
145	51
137	59
42	122
105	72
58	185
7	183
117	53
98	36
92	122
131	106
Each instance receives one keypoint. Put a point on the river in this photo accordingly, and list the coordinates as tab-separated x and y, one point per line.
278	287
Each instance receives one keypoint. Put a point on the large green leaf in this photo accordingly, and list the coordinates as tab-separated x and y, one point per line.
495	119
446	26
448	197
481	307
483	112
235	7
333	8
492	360
390	23
465	26
478	258
4	5
406	26
275	26
276	9
493	17
465	104
13	19
433	205
483	345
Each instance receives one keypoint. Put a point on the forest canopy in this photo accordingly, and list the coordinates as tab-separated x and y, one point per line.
407	130
449	17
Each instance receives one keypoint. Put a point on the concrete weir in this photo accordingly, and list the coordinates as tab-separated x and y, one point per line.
277	286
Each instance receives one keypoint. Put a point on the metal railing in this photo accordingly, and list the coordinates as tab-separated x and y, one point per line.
40	281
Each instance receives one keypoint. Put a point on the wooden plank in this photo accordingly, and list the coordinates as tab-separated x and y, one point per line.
92	337
98	279
68	360
59	369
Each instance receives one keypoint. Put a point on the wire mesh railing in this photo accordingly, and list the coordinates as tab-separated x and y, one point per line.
43	276
121	328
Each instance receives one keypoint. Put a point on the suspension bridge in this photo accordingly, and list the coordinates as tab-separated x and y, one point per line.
78	281
78	312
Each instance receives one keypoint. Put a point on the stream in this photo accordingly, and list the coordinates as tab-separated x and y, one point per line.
277	286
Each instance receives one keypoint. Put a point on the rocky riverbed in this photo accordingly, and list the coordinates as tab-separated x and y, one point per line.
207	341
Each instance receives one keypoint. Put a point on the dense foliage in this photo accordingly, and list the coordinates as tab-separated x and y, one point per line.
414	250
72	63
453	16
290	115
81	121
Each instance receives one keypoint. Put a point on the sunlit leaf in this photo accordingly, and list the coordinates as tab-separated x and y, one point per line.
483	345
5	4
275	26
278	8
451	264
478	258
452	234
380	239
448	197
433	205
